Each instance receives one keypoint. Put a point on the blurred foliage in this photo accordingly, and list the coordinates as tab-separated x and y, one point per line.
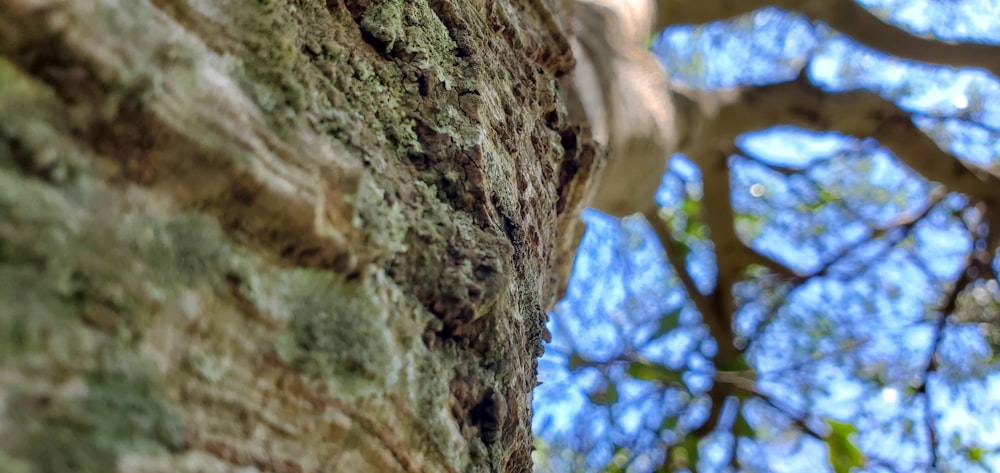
878	356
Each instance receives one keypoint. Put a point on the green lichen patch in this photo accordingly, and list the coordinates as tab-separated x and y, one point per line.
383	23
295	65
100	264
183	251
131	264
338	332
79	286
32	143
38	303
122	410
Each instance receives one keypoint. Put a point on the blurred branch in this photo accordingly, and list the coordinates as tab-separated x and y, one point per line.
844	348
800	103
741	382
714	129
977	263
850	18
932	434
682	12
858	113
733	256
709	311
875	461
797	421
904	226
991	239
847	17
712	123
951	301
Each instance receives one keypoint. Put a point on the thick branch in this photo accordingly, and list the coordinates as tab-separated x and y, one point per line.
847	17
717	322
733	256
856	113
682	12
861	25
798	102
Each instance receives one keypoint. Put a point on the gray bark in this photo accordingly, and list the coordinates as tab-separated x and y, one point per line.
282	235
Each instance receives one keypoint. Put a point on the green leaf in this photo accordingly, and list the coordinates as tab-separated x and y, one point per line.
976	454
741	428
612	393
683	249
619	460
691	207
736	364
576	361
606	396
653	372
684	455
668	322
669	423
844	455
697	230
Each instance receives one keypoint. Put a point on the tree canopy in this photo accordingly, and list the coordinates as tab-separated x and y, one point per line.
828	299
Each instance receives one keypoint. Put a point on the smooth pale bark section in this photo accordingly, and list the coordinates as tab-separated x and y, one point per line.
287	235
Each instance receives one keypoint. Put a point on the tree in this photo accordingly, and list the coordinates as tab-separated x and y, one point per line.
829	291
293	235
279	235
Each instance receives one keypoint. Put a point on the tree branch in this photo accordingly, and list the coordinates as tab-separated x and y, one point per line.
847	17
850	18
857	113
733	256
800	103
739	382
979	259
709	312
893	234
682	12
904	224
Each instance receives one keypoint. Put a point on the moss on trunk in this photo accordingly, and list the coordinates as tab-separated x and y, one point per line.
293	235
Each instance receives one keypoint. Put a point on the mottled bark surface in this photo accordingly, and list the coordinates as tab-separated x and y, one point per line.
289	235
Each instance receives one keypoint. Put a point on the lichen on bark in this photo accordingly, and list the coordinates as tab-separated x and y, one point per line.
323	231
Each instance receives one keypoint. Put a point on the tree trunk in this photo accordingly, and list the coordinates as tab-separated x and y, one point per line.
279	235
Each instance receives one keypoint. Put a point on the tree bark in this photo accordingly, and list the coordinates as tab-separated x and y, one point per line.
282	235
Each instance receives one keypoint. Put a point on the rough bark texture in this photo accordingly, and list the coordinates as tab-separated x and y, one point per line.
284	236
